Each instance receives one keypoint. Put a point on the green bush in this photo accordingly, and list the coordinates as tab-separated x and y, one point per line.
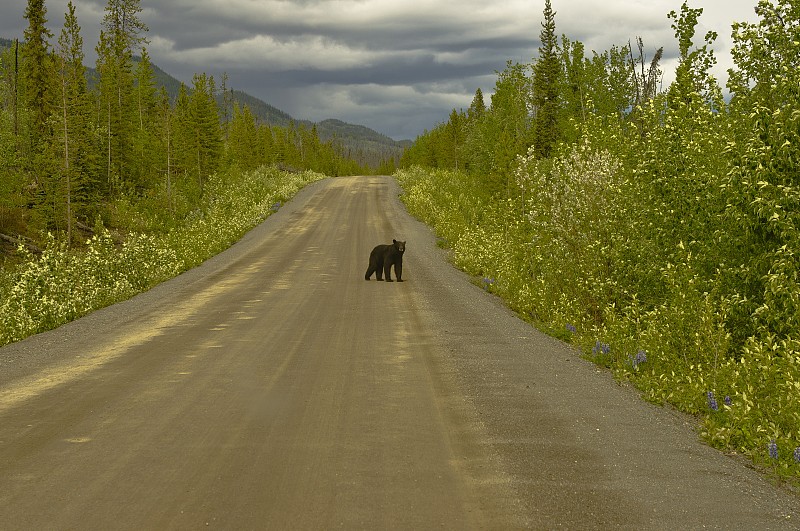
563	254
45	292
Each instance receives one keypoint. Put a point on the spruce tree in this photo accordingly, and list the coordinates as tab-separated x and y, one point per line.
243	141
477	107
182	140
148	148
205	128
120	38
546	72
73	107
36	68
37	97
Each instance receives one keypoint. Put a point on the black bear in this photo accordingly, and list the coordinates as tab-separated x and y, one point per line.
383	257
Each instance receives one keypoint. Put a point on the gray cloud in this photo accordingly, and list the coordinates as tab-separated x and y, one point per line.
397	67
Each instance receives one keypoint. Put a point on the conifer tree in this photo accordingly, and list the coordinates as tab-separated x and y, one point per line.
182	140
36	68
243	142
37	97
546	73
120	38
11	153
477	107
165	119
205	128
73	107
266	144
146	138
454	138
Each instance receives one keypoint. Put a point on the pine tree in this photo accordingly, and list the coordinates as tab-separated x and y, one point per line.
165	119
37	97
182	137
73	115
120	38
454	138
36	69
205	128
266	145
146	137
477	107
243	140
546	72
12	157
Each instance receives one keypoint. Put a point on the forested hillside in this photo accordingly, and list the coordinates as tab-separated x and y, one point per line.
365	146
657	230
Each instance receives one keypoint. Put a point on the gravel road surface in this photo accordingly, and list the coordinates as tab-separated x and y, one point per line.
274	388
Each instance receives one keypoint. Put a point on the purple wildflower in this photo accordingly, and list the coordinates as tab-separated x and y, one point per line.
797	454
600	347
571	328
728	400
772	448
640	358
712	402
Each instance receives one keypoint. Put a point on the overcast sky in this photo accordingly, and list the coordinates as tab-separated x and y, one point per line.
396	66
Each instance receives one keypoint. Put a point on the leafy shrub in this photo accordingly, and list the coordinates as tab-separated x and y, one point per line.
61	285
562	254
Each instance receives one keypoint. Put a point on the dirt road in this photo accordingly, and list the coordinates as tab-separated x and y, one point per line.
274	388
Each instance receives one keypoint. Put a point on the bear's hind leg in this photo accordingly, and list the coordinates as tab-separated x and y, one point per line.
378	269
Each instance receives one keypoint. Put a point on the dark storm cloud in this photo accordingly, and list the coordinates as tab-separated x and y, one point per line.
397	67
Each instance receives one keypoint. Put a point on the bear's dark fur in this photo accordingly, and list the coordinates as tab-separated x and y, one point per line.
383	257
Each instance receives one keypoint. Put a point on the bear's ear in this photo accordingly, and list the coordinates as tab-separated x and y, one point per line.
394	241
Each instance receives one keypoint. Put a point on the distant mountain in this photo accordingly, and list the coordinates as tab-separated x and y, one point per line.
361	143
360	139
264	112
358	142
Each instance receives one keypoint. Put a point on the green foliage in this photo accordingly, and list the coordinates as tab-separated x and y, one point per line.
36	68
62	284
545	90
169	179
763	182
661	235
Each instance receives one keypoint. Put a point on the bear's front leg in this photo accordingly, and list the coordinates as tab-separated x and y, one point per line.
398	270
387	272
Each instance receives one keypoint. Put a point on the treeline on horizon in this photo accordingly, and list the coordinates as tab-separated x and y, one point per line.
656	228
72	152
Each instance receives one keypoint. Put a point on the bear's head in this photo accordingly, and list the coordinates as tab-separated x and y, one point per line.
399	246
